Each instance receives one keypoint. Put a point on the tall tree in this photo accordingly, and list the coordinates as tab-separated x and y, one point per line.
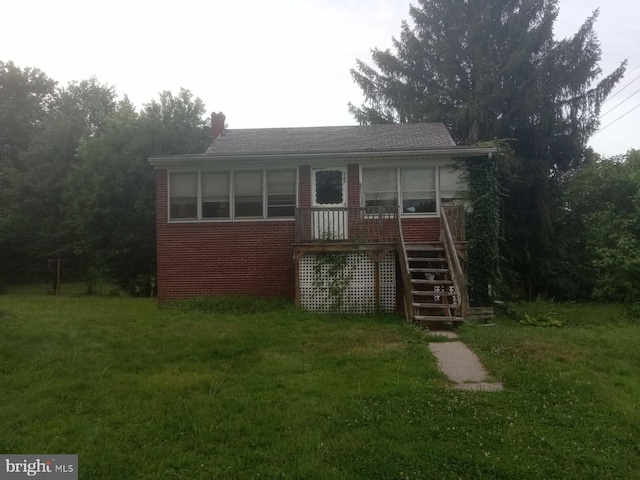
111	193
78	112
492	69
26	98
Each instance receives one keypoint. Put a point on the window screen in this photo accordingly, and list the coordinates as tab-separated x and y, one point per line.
183	196
380	187
248	194
451	187
329	187
215	195
281	193
418	190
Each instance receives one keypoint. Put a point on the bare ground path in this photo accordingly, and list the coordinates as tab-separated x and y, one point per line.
461	365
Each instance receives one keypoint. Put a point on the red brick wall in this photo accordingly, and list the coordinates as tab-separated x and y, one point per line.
421	229
222	258
243	258
304	186
353	185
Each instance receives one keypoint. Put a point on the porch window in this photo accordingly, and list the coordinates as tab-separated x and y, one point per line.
281	193
418	190
215	195
380	187
248	194
183	196
415	189
451	188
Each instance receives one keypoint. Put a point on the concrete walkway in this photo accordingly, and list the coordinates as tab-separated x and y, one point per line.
461	365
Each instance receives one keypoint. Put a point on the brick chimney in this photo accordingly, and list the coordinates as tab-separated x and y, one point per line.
217	124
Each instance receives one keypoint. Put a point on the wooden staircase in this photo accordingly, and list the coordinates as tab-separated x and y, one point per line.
435	298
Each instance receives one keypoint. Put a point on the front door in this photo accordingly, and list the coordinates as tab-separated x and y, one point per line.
329	191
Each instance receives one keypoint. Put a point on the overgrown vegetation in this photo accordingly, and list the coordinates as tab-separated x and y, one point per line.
540	95
206	391
75	182
483	227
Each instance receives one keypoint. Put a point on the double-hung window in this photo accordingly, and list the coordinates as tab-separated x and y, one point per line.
183	196
248	198
281	193
381	187
215	195
451	188
418	190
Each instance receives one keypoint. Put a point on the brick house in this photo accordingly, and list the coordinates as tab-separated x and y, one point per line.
293	212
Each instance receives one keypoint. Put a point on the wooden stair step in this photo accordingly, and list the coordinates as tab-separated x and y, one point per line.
429	270
435	305
436	318
426	259
431	293
431	282
423	247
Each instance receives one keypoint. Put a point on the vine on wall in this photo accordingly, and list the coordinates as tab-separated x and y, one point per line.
483	226
332	276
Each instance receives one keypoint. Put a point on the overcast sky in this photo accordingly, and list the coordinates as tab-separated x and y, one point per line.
275	63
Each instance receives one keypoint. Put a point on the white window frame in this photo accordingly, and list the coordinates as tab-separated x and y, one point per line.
399	192
198	202
232	216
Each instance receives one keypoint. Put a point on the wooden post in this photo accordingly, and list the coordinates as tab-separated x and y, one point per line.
58	263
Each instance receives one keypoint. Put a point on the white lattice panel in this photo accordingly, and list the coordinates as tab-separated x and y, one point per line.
358	295
388	282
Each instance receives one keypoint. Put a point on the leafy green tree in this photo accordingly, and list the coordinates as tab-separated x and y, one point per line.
111	194
492	69
26	98
604	198
77	112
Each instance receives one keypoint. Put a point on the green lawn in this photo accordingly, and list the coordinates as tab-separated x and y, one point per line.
259	390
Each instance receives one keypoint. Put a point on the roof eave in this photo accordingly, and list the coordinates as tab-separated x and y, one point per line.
452	151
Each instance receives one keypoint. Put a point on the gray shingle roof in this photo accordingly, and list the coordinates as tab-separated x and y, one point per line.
348	139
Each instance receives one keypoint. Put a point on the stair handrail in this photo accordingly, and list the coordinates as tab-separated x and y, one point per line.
404	268
457	274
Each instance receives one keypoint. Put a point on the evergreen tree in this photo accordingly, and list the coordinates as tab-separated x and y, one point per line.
492	69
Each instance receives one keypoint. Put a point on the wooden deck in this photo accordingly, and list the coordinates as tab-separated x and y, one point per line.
432	273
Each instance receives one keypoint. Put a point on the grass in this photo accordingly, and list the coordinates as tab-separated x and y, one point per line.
258	390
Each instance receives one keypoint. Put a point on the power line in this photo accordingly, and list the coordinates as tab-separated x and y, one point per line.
611	97
612	109
621	116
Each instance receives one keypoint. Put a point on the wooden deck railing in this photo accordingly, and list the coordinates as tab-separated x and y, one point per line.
403	259
346	225
456	220
457	274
